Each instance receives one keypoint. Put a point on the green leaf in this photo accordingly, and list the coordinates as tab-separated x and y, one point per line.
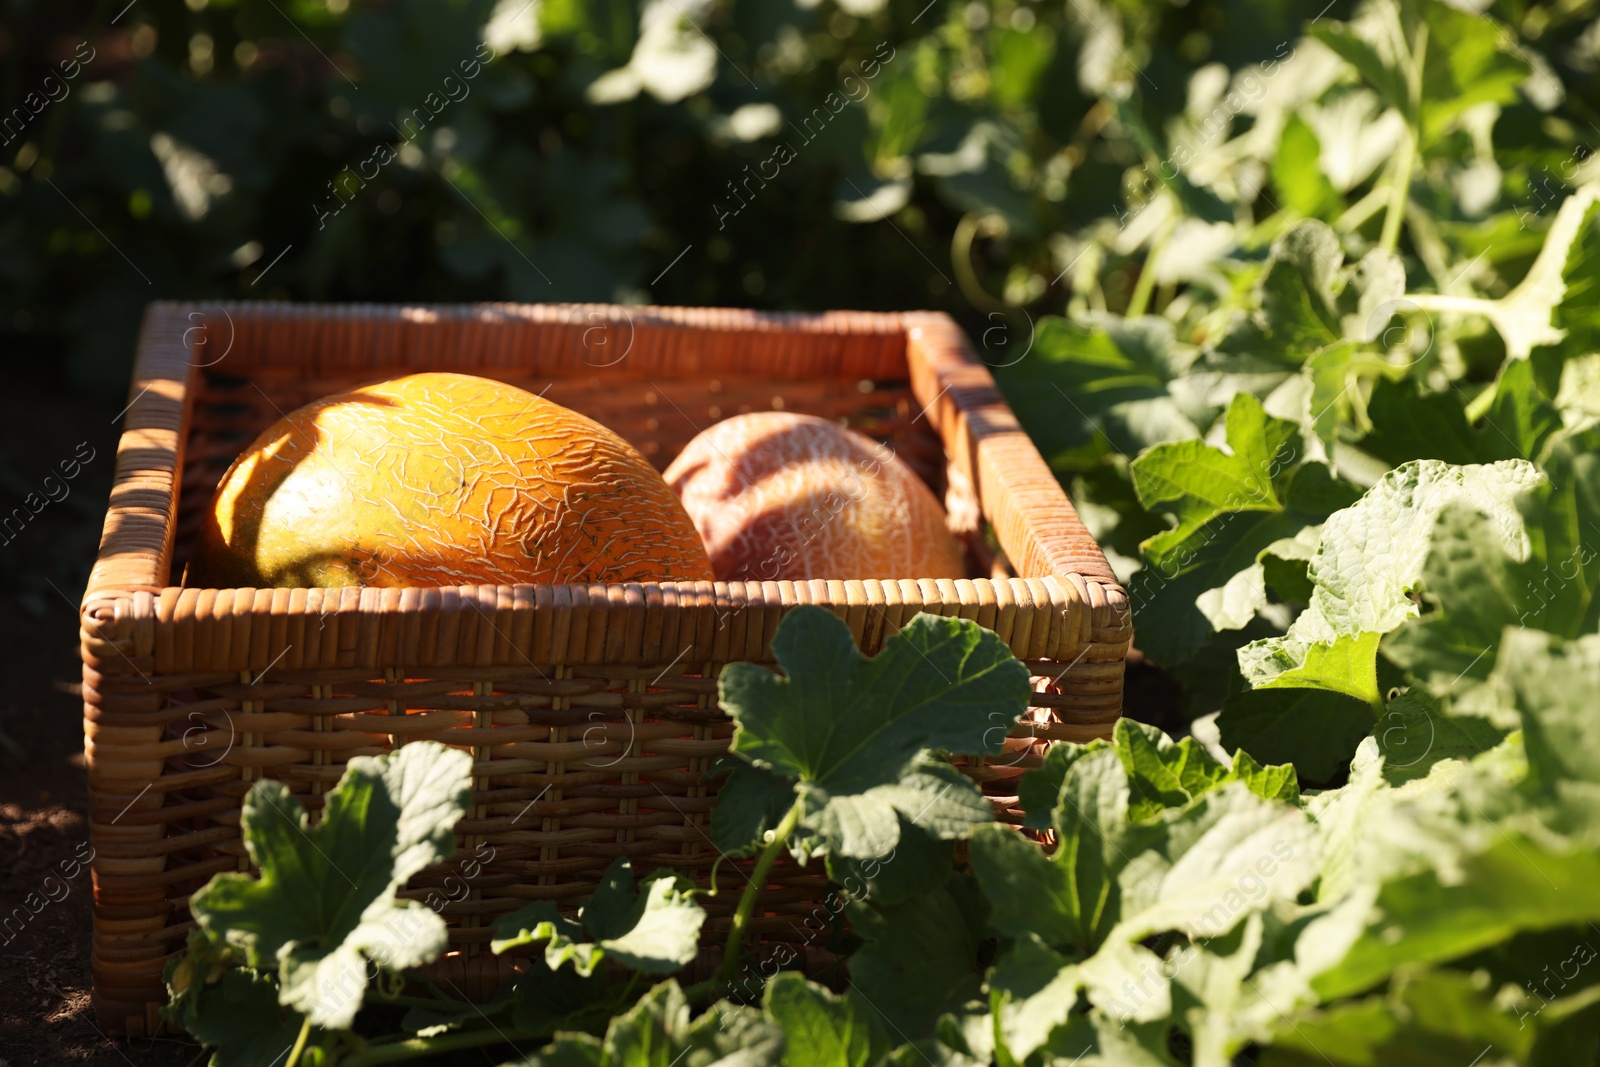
1019	58
1297	175
1121	378
750	802
1230	854
1370	557
1553	685
1414	734
848	723
1271	782
1476	588
660	1032
1040	788
1223	1002
936	798
918	863
919	959
1230	509
853	730
1376	65
652	929
1472	59
1520	420
1296	292
1544	982
1531	315
1431	1019
1286	564
325	901
1033	990
823	1030
1098	1040
1163	773
1071	899
1196	482
1314	730
1282	566
240	1019
1348	664
1409	424
1372	833
567	1050
1514	884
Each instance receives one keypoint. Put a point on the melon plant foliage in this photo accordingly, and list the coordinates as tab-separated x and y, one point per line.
1335	414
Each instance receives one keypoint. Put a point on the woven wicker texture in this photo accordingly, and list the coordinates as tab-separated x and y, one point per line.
590	710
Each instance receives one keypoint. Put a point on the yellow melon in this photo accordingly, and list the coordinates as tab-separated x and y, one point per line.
442	479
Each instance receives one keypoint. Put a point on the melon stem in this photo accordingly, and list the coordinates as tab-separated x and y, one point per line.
758	880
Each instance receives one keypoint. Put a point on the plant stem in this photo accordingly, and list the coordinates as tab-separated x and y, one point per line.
299	1043
1474	305
404	1001
417	1047
758	879
1140	300
1362	210
1400	190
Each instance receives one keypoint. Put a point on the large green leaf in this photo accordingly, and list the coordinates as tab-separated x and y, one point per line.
1230	510
661	1031
1033	990
823	1030
852	732
920	958
1315	730
1435	1019
1161	773
1533	315
1471	59
1476	588
1297	173
1467	58
1297	308
1415	734
1553	684
325	901
1069	899
1515	884
1228	855
1369	559
1222	1000
1410	424
750	802
1196	482
652	929
240	1019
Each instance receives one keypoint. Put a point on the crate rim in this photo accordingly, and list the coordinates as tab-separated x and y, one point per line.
127	608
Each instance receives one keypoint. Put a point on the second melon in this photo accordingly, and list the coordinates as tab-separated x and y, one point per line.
777	495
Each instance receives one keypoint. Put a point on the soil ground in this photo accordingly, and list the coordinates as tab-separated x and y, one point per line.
44	963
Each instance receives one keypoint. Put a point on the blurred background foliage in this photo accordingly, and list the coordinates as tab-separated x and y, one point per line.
963	147
1092	187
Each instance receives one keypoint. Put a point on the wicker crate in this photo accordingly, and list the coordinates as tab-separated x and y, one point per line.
590	709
